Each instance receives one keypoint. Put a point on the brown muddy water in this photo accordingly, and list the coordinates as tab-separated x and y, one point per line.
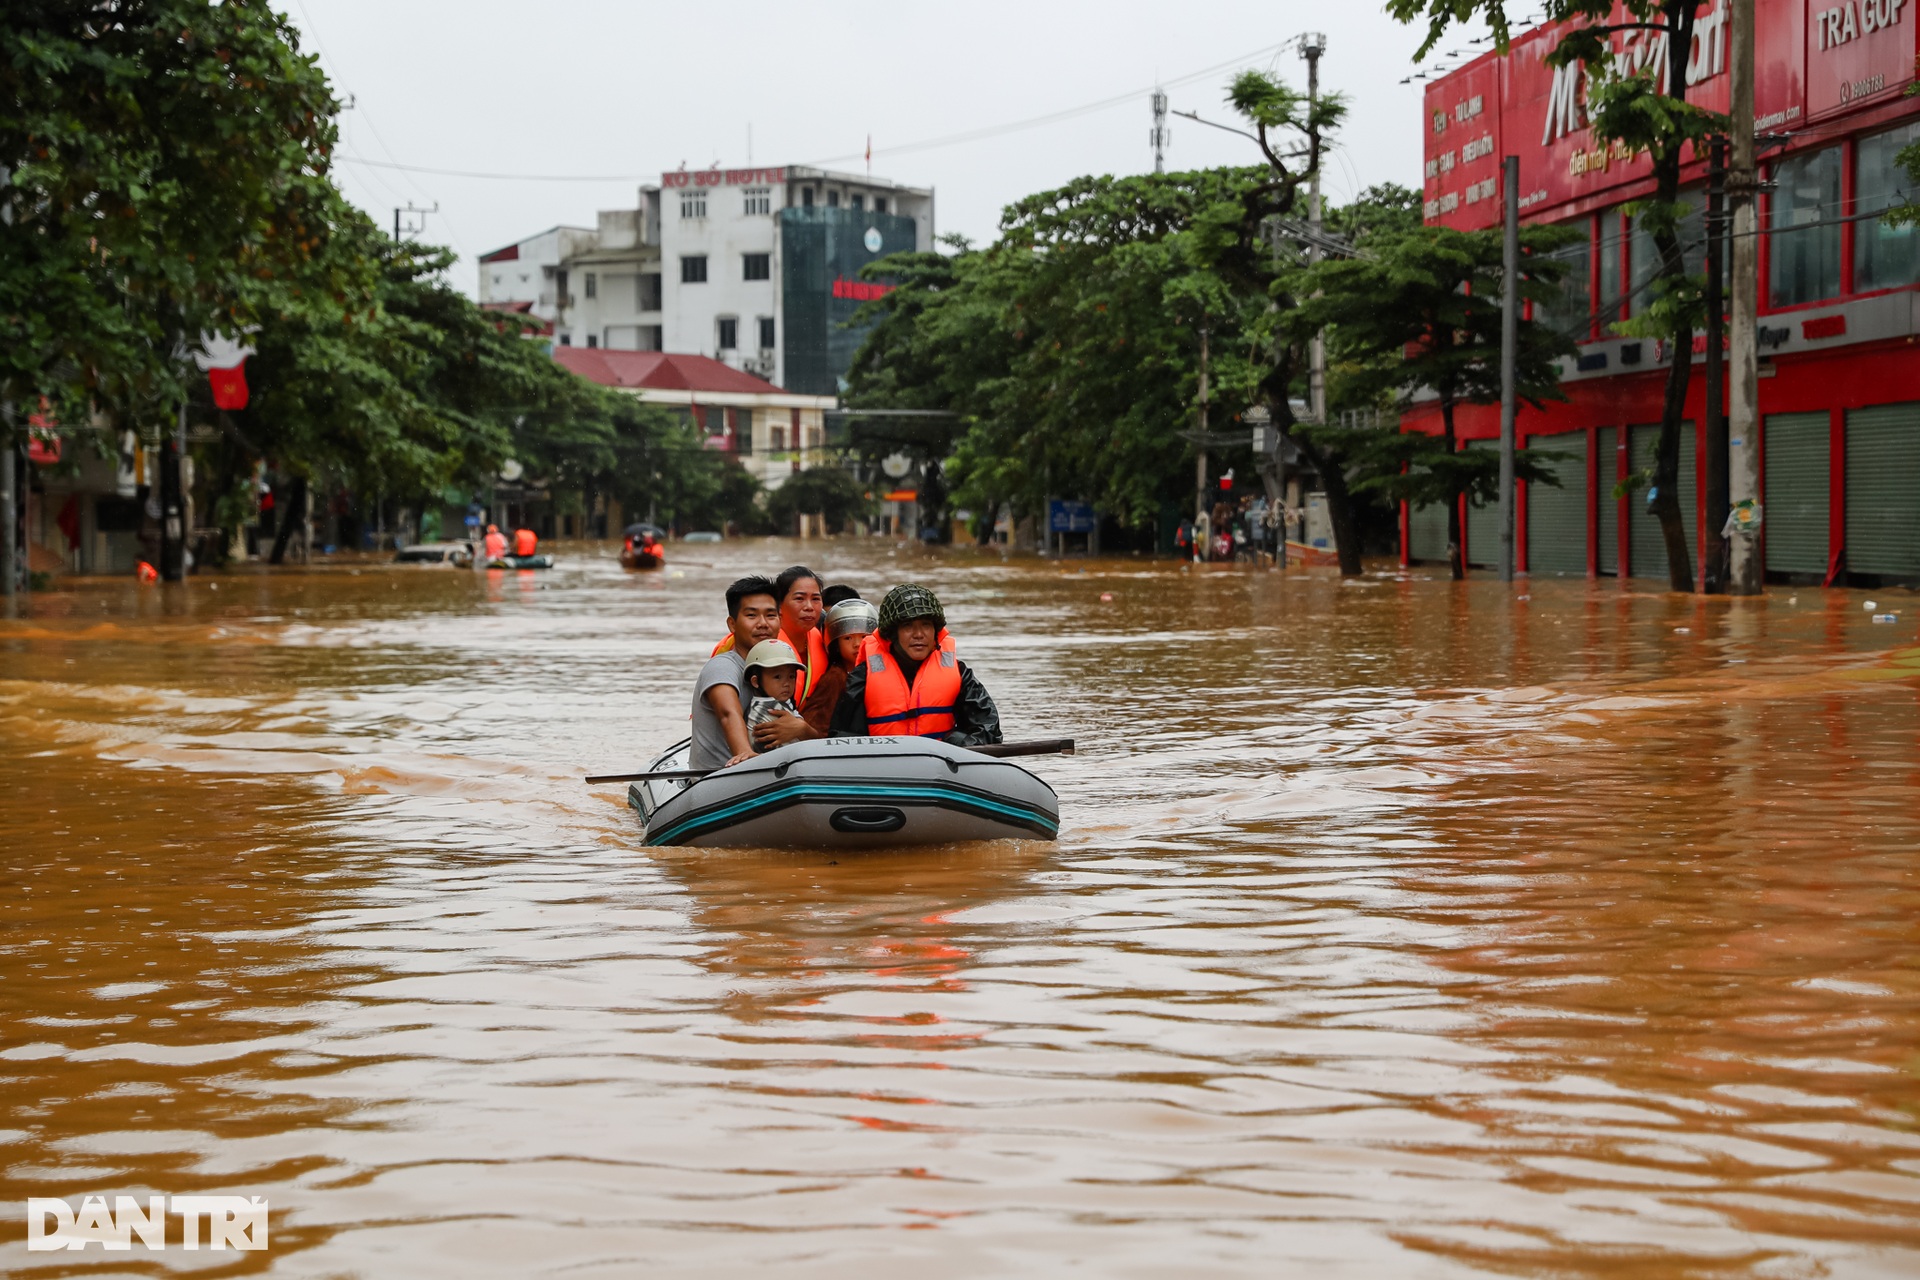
1397	928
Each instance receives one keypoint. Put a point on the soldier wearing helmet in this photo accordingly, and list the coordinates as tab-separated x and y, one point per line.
908	679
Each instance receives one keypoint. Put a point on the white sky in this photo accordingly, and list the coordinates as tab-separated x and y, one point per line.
628	89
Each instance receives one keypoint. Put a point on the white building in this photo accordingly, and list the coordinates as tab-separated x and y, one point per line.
613	283
760	267
529	276
773	432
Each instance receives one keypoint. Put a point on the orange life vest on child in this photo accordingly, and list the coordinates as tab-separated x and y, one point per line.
525	542
925	710
816	656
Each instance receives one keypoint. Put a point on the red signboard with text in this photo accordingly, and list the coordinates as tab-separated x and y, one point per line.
1541	109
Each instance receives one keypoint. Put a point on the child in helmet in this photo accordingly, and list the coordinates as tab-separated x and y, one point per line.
773	673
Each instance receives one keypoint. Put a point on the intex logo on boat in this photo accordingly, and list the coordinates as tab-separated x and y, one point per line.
232	1222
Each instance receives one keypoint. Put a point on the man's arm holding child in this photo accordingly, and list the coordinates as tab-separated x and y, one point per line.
725	701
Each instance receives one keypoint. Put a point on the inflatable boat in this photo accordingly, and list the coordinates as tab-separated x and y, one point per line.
847	793
542	561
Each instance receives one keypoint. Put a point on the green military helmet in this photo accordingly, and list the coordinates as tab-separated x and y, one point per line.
906	602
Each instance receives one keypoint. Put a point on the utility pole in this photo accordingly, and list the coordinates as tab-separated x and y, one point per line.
173	506
1714	579
1742	185
1200	461
1509	353
1160	135
1312	45
414	210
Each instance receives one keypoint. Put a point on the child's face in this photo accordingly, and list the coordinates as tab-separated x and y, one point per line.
849	647
778	682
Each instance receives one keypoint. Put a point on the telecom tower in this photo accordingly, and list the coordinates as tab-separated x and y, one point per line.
1160	136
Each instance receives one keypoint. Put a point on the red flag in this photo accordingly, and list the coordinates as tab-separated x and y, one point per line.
229	386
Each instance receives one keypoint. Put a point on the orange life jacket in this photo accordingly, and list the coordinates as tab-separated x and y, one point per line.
525	542
496	545
816	655
925	710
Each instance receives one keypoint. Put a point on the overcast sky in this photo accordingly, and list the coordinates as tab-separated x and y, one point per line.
621	90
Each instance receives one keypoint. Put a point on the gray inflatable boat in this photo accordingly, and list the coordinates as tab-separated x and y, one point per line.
847	793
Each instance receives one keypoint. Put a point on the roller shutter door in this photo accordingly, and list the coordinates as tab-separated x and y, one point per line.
1427	533
1607	444
1883	491
1557	518
1648	548
1799	462
1483	525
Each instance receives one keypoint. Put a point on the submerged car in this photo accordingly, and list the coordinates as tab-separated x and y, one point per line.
706	536
454	553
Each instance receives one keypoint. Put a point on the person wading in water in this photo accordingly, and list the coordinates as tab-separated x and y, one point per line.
909	680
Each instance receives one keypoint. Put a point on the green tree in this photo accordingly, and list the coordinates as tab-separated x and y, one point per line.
163	174
1640	108
830	492
1417	309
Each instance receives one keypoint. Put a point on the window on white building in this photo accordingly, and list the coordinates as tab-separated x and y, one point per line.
756	266
879	204
593	285
593	340
806	197
766	333
693	204
649	282
859	202
729	333
833	199
693	268
759	201
566	339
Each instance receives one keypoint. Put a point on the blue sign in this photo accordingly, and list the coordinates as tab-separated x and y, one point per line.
1064	516
473	522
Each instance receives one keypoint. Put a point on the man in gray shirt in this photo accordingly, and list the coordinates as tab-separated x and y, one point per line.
719	695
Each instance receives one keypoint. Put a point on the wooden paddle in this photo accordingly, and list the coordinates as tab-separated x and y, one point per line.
1038	747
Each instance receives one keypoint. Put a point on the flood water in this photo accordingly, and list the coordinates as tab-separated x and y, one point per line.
1396	928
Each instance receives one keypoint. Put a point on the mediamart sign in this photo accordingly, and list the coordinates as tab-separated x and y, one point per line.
213	1222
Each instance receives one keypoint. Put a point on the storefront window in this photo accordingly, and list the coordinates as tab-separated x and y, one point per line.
1884	257
1646	258
1609	303
1806	262
1569	309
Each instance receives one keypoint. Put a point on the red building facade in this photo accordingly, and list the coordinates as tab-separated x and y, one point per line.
1840	365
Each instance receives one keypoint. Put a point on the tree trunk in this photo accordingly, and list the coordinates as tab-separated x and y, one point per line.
1340	508
296	510
1666	466
1456	544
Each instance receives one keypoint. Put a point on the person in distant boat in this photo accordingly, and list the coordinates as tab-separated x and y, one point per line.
526	542
798	590
773	673
910	681
719	722
496	542
847	625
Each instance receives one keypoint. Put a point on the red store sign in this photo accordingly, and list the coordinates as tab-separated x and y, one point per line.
1813	59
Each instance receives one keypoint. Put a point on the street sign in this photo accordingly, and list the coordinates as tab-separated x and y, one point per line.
1065	516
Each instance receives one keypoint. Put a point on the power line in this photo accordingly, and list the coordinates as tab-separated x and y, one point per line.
926	144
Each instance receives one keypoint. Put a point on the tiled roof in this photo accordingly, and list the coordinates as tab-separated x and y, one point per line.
659	370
